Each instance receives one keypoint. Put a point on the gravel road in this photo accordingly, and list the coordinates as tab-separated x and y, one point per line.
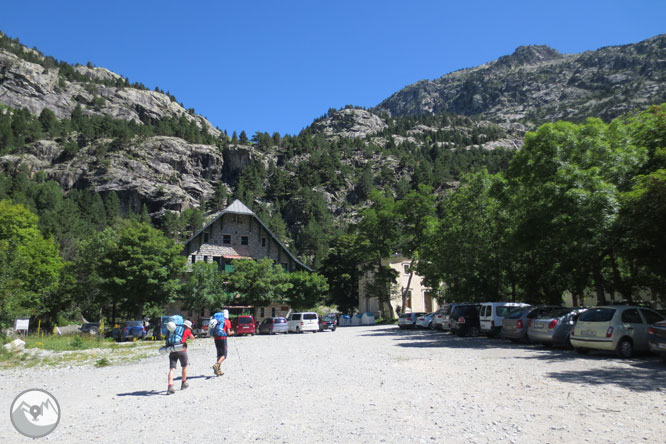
357	385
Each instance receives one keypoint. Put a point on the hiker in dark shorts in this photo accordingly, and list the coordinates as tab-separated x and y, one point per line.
221	345
180	355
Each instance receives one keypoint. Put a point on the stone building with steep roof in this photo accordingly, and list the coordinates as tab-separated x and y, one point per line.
238	233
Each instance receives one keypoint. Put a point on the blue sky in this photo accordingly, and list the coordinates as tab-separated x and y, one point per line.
276	65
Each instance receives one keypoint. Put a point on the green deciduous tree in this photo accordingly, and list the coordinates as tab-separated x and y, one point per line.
141	266
257	282
307	289
29	264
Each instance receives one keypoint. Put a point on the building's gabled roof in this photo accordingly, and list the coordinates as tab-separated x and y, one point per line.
237	207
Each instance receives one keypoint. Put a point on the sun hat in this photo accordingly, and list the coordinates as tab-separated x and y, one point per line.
188	324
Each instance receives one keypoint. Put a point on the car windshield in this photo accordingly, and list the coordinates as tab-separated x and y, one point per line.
504	310
516	314
597	315
462	310
279	320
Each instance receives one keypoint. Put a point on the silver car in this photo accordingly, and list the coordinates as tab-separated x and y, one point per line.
553	327
408	320
619	328
514	326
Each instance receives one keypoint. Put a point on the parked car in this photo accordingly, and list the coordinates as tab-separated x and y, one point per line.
131	330
303	321
425	320
657	339
514	325
438	317
492	314
552	328
327	323
90	328
243	325
408	320
445	320
274	325
619	328
464	320
201	328
333	317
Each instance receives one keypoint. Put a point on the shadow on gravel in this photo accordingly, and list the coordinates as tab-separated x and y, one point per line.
642	376
143	393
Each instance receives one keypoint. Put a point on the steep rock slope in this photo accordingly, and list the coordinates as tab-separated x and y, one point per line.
536	84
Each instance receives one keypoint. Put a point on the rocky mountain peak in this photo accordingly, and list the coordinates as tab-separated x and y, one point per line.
529	55
349	122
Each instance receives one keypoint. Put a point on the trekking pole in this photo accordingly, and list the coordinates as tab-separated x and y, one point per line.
239	357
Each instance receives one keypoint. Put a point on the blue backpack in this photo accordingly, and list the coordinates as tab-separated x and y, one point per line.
219	327
175	337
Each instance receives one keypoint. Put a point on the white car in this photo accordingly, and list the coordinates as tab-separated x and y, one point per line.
301	322
491	315
424	321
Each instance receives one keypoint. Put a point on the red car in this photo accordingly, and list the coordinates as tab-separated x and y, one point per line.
243	325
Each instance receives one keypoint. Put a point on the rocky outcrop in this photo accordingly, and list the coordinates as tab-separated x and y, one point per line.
349	122
537	84
30	85
165	173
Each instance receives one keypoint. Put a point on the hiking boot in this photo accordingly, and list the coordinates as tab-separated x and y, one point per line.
171	390
184	385
216	369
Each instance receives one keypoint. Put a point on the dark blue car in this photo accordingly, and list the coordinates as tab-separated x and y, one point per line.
132	330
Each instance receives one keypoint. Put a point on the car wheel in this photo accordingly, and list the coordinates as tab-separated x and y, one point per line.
514	340
474	332
333	328
582	351
625	349
298	330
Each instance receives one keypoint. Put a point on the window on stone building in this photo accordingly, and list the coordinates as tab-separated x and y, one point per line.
244	240
406	268
263	241
273	311
205	235
261	311
226	239
194	258
206	259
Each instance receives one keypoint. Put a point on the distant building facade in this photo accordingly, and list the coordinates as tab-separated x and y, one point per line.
419	297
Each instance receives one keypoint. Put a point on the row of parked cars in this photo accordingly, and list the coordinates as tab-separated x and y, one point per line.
623	329
240	325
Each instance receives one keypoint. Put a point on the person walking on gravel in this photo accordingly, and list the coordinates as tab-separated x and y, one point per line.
221	344
180	355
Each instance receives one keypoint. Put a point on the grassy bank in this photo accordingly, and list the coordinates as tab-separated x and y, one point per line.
55	351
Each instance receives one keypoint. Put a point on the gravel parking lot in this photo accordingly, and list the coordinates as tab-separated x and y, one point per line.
357	385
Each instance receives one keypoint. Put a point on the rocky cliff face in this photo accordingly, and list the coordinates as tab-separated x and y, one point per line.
30	85
349	122
536	84
165	173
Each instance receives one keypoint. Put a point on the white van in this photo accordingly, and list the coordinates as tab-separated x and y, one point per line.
300	322
491	315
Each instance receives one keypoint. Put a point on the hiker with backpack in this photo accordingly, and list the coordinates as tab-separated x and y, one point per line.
220	325
178	332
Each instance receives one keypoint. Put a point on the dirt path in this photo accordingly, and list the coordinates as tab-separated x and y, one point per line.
357	385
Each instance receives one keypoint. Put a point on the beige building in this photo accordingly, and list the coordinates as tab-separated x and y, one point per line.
419	297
